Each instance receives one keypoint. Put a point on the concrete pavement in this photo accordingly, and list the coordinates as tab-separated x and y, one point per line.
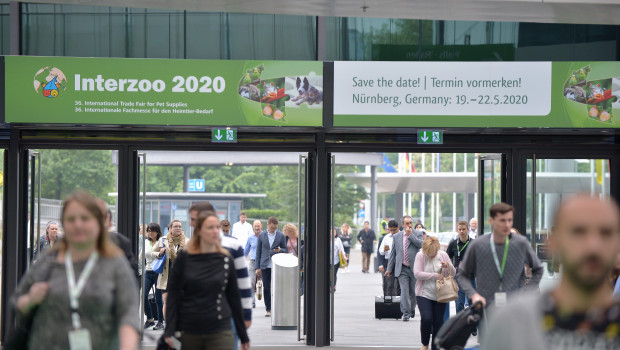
355	326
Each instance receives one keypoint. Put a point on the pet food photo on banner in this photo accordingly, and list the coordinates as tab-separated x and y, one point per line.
273	98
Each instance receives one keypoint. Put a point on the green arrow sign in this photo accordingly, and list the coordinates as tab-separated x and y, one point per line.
224	135
430	137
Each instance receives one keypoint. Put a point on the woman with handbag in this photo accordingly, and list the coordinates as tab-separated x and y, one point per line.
432	268
203	293
337	253
168	248
83	293
153	234
346	236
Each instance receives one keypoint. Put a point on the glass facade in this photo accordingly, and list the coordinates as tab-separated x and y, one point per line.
94	31
5	39
389	39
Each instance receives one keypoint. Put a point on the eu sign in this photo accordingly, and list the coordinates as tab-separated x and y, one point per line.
196	185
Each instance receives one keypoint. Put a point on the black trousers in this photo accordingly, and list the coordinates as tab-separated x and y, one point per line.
266	276
431	313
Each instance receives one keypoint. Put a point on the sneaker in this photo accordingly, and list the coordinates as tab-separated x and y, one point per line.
474	333
159	326
405	318
148	324
268	314
253	305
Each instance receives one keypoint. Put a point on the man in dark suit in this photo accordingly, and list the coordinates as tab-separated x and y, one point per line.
270	242
406	245
368	239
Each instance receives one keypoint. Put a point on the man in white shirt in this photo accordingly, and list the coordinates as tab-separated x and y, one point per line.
242	229
390	284
473	228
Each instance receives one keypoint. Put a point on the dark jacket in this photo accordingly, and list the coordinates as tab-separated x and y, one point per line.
368	238
381	260
125	244
264	252
456	250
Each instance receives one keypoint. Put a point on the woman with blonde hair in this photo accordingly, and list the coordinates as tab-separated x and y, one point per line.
346	236
431	265
203	293
171	245
84	290
292	239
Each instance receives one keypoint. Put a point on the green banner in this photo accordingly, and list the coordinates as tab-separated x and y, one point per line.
163	92
477	94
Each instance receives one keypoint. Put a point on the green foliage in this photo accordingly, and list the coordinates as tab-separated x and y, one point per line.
264	214
64	171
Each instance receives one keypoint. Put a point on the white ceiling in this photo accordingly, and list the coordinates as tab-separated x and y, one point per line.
544	11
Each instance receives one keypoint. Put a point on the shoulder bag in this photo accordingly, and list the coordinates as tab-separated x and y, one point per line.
447	289
159	263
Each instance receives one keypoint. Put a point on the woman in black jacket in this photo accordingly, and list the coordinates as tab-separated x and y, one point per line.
203	294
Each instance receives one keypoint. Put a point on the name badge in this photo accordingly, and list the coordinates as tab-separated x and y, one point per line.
79	339
500	299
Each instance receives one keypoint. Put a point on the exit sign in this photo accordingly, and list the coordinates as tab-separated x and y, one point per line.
430	137
224	135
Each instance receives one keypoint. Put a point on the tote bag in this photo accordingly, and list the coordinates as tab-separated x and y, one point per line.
447	290
158	264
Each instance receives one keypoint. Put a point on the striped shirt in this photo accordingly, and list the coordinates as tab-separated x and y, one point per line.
243	278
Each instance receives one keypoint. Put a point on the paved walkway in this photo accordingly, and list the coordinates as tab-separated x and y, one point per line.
355	326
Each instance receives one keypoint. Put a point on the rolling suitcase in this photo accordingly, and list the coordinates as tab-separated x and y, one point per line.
387	307
454	334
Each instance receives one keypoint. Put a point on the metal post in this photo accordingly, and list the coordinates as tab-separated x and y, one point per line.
533	202
299	239
373	198
32	244
38	155
143	243
331	243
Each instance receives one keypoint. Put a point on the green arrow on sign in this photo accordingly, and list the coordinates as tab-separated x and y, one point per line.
430	137
224	135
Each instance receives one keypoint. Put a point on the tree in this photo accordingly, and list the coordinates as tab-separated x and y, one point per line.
64	171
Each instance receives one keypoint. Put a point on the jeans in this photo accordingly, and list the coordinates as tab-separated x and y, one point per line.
431	313
407	291
235	335
150	278
252	271
336	267
266	275
366	260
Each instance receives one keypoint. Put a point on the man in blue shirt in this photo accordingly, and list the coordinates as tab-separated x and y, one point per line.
250	249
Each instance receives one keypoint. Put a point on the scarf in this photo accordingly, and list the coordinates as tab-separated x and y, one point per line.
174	242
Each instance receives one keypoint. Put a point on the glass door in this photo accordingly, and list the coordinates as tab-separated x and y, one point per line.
491	186
549	181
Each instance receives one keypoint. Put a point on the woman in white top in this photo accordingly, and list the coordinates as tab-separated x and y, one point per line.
338	249
431	265
153	234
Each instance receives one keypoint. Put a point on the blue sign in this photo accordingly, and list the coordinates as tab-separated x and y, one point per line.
196	185
361	213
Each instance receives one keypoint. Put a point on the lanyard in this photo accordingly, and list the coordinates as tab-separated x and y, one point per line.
76	290
496	259
461	250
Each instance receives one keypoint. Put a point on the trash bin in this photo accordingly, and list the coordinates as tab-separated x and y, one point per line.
284	290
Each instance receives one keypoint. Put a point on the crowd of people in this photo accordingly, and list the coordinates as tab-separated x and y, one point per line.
204	287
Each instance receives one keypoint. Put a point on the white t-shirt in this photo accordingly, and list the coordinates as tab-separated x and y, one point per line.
430	286
242	232
389	241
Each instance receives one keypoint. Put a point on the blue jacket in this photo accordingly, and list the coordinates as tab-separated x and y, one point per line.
264	252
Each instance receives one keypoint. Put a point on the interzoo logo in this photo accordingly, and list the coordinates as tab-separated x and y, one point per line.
49	82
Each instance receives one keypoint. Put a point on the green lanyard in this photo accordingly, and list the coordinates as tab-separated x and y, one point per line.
461	250
496	259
